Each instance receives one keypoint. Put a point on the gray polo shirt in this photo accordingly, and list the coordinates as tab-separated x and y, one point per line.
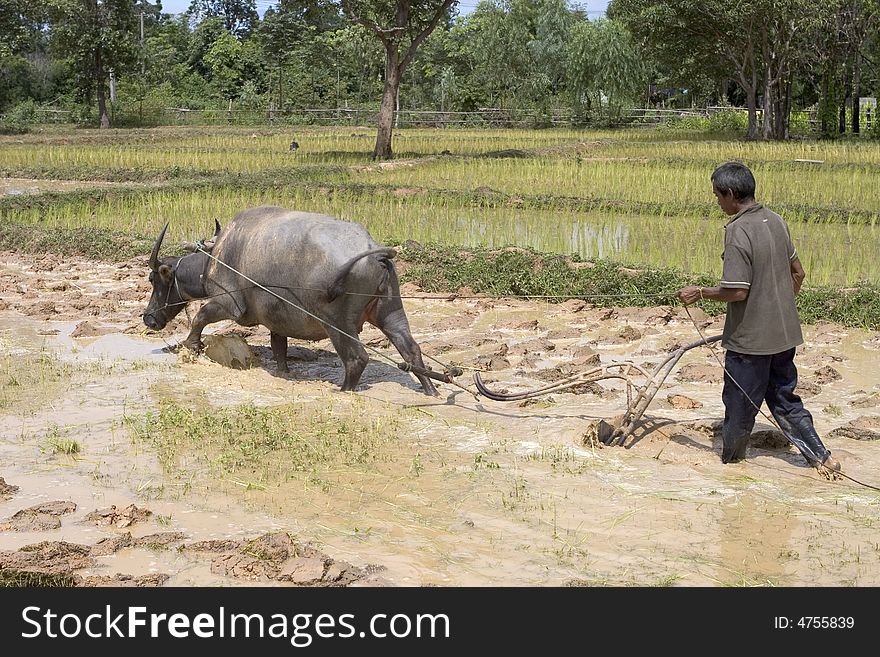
757	257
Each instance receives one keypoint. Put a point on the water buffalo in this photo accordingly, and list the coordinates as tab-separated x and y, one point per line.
331	268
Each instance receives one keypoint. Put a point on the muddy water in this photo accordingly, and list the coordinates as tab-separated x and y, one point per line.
471	492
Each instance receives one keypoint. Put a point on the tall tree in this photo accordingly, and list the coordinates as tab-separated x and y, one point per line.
401	26
98	36
605	67
761	45
238	16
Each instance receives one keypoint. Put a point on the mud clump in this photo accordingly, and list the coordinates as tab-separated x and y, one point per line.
807	388
867	401
827	374
771	439
866	427
277	557
141	581
682	402
6	490
88	329
46	558
118	518
51	563
230	351
41	517
768	439
696	373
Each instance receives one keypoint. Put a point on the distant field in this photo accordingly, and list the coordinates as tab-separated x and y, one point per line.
639	197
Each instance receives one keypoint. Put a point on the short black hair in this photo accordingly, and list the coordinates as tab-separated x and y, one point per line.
736	178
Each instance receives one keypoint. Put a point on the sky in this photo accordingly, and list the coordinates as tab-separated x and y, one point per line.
595	8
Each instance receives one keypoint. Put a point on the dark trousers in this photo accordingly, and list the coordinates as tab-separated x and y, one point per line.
770	379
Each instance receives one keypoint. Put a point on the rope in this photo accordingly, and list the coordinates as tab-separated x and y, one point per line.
769	418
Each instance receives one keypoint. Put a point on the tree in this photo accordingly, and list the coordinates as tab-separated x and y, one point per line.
761	45
98	36
407	25
605	66
238	16
292	37
21	43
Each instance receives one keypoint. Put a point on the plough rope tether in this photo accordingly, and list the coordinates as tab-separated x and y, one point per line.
406	367
821	466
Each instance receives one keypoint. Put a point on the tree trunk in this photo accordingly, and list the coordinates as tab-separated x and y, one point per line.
386	109
752	104
857	91
767	128
847	95
103	117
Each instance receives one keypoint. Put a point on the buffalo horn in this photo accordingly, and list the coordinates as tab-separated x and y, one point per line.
154	256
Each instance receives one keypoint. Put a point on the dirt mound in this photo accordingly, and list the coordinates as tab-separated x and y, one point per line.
38	518
52	563
6	490
866	427
683	402
47	558
866	401
277	557
697	373
141	581
89	329
118	518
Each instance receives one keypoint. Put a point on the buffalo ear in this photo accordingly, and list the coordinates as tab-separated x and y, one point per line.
166	273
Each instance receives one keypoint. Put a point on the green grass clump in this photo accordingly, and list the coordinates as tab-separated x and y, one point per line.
14	578
267	444
90	242
521	272
28	380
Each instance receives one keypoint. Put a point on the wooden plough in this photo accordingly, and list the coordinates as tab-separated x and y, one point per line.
638	397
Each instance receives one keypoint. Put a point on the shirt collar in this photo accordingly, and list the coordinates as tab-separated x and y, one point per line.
751	208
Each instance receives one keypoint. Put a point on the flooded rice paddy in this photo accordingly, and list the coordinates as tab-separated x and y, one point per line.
406	489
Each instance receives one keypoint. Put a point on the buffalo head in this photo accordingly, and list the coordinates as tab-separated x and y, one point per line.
167	298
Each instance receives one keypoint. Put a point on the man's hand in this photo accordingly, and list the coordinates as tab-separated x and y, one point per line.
690	294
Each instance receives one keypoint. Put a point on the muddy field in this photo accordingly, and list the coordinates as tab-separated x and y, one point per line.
456	490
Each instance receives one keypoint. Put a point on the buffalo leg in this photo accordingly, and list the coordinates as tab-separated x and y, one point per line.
279	350
209	313
353	356
396	328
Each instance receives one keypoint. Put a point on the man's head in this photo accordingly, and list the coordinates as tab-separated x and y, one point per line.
734	186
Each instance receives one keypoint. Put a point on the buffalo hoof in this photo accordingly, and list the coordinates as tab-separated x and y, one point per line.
194	346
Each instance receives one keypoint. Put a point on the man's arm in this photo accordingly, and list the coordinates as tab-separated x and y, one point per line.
797	274
692	294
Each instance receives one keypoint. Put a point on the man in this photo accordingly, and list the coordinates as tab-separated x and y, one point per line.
761	276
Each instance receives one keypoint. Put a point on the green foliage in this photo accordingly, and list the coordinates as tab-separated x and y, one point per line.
606	69
97	38
728	121
687	123
19	119
237	16
89	242
522	272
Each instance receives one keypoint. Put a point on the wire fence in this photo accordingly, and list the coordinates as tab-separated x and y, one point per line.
806	121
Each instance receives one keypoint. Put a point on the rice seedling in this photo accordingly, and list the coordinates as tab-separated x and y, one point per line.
56	442
28	380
